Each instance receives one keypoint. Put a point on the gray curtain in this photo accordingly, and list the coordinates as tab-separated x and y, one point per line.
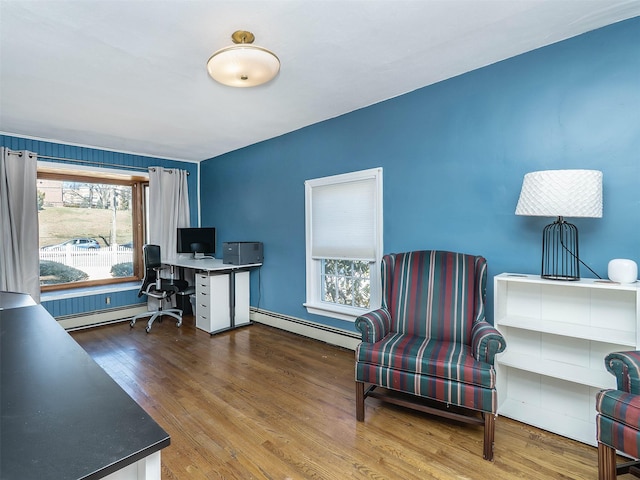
168	207
19	260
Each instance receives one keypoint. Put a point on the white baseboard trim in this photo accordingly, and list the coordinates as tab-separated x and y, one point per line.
330	335
100	317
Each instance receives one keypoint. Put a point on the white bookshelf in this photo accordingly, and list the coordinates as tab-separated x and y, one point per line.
558	334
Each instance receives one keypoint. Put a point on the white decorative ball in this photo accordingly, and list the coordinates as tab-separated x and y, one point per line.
622	270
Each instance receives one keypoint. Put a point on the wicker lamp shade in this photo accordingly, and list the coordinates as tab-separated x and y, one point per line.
561	193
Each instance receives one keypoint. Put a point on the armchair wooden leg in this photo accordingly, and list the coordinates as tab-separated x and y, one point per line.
489	434
360	401
606	462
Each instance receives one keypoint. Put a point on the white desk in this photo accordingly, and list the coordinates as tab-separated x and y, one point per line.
222	292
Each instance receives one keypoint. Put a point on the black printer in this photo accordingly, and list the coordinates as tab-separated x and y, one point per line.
242	253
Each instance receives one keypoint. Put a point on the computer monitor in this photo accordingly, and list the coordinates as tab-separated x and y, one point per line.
201	242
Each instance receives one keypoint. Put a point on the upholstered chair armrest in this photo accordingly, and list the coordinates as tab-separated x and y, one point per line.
626	368
375	325
486	342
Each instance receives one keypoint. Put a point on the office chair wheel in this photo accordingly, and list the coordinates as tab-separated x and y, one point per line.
131	324
147	329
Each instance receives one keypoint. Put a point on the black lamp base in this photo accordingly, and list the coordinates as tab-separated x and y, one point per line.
560	251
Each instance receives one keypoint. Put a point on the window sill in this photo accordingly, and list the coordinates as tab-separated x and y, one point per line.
87	291
335	311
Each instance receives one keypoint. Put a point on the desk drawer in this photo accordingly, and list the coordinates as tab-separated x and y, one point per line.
202	281
212	302
203	296
203	292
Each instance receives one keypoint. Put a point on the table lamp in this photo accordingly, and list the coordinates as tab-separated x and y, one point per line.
561	193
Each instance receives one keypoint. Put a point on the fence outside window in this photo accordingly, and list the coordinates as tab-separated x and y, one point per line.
96	263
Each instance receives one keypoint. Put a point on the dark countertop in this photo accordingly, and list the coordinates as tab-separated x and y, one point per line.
61	415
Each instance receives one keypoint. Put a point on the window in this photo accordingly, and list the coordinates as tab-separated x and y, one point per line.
90	227
346	282
343	220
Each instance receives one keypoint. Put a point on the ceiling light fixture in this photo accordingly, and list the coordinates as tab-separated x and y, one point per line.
243	64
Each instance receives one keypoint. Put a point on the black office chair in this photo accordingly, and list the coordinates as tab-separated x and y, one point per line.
160	288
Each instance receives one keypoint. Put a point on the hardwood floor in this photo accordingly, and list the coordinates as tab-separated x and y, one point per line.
262	403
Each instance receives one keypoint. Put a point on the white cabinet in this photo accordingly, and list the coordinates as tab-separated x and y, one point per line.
214	306
558	334
212	302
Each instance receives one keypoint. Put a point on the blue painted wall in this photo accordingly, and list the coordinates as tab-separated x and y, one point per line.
454	155
91	303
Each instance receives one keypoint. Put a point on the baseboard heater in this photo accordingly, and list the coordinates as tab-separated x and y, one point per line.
100	317
324	333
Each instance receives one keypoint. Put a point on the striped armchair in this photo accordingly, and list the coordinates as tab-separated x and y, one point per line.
618	416
430	340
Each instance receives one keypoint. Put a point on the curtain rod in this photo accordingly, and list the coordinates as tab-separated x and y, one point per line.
170	170
88	162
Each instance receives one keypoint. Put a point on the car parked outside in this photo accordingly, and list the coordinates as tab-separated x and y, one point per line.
75	243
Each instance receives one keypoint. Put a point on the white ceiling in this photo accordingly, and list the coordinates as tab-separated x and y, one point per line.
130	75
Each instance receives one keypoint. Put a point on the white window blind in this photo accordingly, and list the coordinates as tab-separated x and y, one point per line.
344	216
